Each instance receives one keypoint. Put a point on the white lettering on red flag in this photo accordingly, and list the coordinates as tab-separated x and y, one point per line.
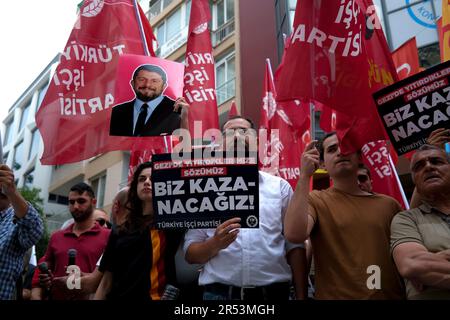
73	117
337	55
199	74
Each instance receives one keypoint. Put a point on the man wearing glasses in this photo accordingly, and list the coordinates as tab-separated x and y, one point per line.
364	178
102	218
85	235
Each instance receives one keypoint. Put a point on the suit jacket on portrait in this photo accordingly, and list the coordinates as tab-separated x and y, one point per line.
162	121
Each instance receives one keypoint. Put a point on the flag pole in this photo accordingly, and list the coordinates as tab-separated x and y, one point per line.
312	120
141	29
402	192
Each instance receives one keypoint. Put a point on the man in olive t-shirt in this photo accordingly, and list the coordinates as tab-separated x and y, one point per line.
420	237
349	228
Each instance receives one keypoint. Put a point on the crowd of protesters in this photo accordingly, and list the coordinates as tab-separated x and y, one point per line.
361	244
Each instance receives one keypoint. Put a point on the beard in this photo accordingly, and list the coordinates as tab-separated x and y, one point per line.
146	98
80	216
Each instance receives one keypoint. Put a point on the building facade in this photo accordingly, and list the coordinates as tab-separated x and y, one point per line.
22	143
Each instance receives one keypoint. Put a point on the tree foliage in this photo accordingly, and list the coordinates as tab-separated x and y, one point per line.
32	196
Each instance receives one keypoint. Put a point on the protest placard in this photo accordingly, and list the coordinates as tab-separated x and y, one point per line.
203	193
414	107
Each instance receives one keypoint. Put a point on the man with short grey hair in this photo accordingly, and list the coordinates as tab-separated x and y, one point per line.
420	237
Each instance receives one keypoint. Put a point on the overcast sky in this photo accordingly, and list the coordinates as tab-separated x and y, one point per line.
32	33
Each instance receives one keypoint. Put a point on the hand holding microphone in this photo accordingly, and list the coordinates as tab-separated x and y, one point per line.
72	255
45	276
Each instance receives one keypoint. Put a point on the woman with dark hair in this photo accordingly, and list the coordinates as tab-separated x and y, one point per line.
139	260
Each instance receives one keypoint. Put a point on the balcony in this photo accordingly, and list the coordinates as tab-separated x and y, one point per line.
226	91
173	44
157	7
223	32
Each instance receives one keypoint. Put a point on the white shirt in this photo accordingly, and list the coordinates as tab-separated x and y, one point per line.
151	107
258	256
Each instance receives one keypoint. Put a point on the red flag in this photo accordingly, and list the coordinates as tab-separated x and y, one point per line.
383	172
233	110
199	74
296	110
327	119
338	56
73	117
148	32
441	38
287	126
143	150
406	59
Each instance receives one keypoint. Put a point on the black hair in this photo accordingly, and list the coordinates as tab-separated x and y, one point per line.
320	144
135	219
364	167
151	68
252	124
82	187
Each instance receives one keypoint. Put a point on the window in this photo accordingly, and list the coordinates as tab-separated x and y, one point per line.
224	12
54	198
34	144
28	179
173	31
169	28
18	156
41	95
24	116
225	78
8	133
223	21
414	18
98	185
157	6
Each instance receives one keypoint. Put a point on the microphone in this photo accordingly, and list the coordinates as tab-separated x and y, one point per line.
170	293
43	267
72	254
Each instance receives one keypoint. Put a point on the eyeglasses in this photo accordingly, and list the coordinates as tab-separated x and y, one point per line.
79	201
240	130
362	178
102	222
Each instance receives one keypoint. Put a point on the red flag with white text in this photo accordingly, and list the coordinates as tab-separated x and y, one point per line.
384	175
73	117
406	59
338	56
144	148
287	126
199	73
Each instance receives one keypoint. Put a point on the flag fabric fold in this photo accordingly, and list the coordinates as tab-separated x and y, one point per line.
199	74
233	110
406	59
337	55
286	124
73	117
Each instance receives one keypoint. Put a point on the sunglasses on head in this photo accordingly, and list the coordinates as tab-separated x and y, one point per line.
79	201
102	222
362	178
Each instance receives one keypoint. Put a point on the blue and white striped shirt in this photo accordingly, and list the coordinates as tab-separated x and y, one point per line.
16	237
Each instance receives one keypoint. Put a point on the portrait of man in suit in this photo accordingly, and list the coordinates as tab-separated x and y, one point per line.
151	113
